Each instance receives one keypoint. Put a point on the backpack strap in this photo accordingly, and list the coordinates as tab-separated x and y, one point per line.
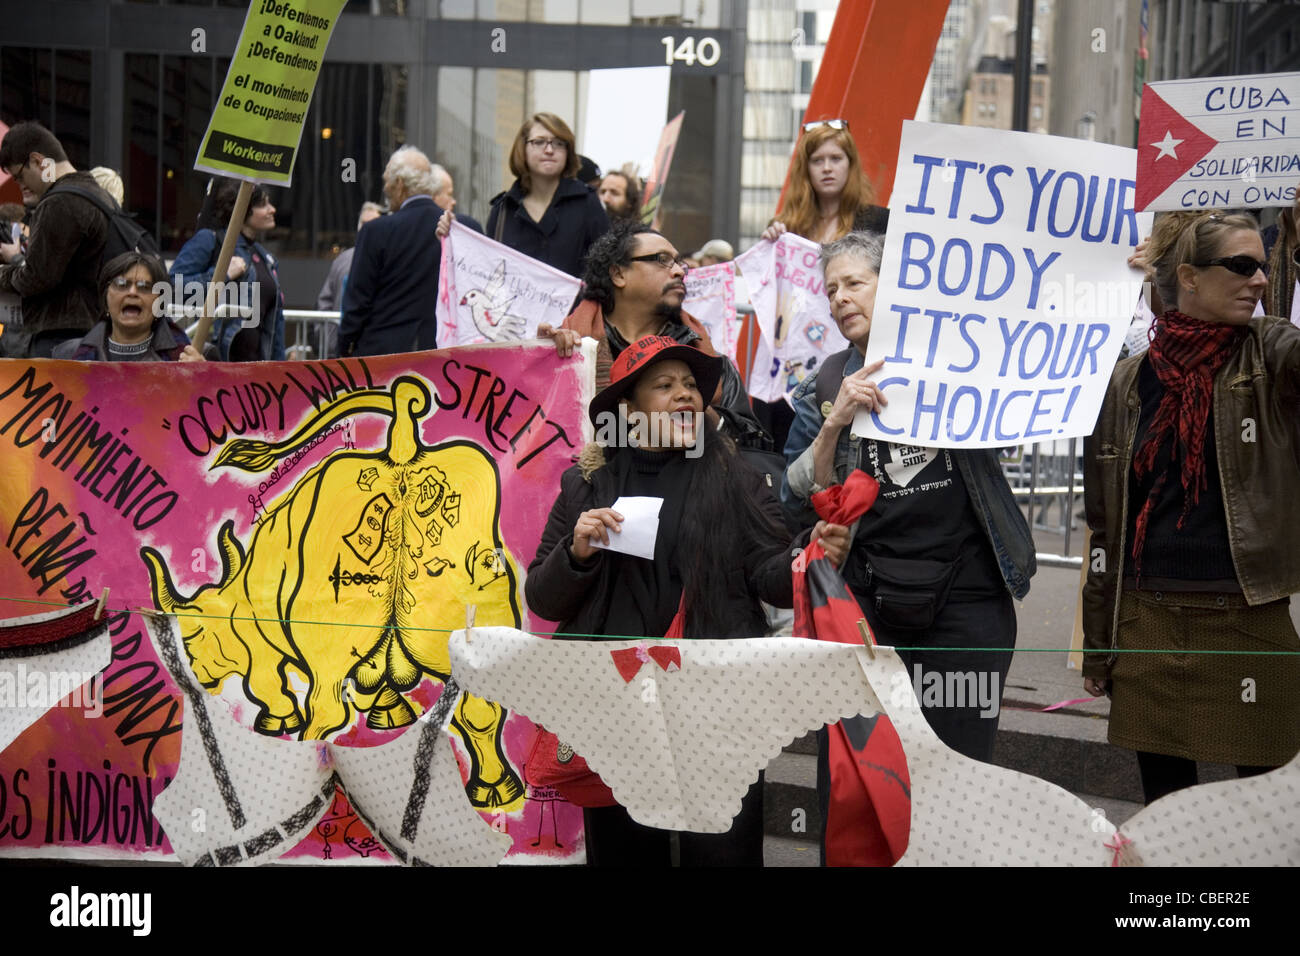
86	194
829	377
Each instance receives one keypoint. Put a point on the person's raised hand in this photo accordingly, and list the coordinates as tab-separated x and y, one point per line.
774	231
566	340
444	224
190	354
236	268
857	391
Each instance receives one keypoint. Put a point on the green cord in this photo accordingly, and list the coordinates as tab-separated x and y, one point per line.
638	637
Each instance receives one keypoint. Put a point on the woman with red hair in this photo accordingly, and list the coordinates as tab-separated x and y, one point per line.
829	195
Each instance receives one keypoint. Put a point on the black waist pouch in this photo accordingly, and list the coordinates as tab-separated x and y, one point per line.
908	593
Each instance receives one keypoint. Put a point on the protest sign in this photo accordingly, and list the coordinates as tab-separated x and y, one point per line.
257	124
1221	142
1004	292
711	298
488	292
612	134
317	529
796	331
651	198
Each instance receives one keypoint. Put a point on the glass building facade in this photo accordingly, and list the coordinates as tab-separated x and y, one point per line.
130	84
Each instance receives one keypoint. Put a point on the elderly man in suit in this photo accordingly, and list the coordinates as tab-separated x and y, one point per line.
393	286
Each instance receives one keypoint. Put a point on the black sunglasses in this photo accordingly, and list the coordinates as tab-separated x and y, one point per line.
1245	266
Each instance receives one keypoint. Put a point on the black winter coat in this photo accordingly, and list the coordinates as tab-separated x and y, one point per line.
558	588
574	220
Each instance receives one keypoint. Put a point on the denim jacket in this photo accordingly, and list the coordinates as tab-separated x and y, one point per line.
194	263
986	486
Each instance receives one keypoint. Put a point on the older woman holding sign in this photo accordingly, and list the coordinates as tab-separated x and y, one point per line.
938	558
1190	493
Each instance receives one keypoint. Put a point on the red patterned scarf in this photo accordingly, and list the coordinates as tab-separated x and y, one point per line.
1185	354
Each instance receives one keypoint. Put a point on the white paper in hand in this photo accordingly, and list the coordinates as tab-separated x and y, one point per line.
640	526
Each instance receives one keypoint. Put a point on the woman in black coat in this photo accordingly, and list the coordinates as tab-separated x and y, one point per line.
547	214
721	549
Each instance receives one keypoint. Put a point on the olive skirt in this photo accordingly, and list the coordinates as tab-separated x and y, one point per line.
1219	708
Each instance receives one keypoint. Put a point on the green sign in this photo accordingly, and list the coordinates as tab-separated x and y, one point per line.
257	125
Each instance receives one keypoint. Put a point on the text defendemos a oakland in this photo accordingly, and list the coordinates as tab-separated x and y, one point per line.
257	124
1005	291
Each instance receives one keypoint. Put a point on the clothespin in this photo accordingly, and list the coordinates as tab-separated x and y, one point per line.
471	611
867	639
99	605
149	612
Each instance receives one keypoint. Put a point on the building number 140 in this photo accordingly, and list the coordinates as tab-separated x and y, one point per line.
707	51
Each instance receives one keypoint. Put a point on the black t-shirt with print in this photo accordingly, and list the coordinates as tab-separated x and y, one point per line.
924	511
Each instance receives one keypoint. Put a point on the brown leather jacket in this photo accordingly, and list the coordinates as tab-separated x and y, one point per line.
1255	429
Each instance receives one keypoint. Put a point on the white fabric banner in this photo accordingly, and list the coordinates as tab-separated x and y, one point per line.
487	292
1005	292
796	331
711	298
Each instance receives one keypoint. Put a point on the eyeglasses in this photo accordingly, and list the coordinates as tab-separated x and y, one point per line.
665	260
832	123
555	144
1244	266
143	286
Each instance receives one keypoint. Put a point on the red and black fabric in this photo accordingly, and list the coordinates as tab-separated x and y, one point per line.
869	815
49	632
1185	354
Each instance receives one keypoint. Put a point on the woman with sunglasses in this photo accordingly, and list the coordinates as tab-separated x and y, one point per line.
134	327
1190	496
546	214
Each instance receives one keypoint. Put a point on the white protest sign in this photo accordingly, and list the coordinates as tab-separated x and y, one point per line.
711	298
612	134
1004	292
1224	142
488	292
797	332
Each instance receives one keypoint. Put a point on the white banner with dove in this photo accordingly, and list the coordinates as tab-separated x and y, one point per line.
488	292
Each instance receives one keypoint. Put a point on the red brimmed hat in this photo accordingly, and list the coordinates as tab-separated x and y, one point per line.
645	352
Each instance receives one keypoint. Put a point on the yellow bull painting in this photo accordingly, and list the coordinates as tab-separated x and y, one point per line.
354	578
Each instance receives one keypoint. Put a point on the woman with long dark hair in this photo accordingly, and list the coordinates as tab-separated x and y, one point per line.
720	550
1190	493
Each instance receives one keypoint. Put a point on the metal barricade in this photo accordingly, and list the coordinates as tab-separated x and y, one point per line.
1046	476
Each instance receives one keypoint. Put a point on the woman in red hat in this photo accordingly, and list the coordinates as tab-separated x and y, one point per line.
721	549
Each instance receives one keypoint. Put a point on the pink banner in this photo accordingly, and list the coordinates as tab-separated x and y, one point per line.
317	528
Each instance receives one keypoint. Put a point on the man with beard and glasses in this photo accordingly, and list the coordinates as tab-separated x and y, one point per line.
635	284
